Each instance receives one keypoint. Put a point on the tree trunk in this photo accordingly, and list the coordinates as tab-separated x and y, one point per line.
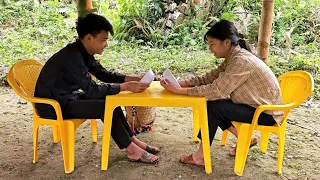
265	29
85	7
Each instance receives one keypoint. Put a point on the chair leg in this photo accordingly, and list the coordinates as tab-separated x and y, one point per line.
224	138
56	134
35	142
196	126
264	140
94	130
68	143
280	151
242	149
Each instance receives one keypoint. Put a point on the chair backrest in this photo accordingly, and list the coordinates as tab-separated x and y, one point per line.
296	87
23	76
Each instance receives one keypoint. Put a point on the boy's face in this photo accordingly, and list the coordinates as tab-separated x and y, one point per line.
99	42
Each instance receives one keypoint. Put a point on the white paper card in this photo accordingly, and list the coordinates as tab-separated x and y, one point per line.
168	76
148	77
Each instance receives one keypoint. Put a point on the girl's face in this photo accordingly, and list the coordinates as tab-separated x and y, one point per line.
219	48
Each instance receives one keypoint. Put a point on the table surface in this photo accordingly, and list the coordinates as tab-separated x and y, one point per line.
154	92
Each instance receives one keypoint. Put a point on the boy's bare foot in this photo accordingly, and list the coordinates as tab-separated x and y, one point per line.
135	153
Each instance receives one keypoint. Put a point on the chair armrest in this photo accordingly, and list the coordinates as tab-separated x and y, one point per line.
51	102
261	108
276	107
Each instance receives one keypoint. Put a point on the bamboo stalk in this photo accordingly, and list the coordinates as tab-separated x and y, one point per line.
265	29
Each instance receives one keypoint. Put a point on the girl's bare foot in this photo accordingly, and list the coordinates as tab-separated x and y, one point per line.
192	159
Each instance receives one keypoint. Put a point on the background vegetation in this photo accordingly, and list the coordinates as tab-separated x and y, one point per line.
37	32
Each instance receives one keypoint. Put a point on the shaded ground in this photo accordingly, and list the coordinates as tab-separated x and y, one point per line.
172	131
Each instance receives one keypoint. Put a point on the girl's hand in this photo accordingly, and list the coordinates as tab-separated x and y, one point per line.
183	83
171	88
168	86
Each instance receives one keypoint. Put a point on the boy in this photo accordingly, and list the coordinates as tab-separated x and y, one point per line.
67	71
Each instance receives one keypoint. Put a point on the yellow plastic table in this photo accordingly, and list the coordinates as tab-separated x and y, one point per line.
156	95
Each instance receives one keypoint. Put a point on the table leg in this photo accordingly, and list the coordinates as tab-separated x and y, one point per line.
108	113
205	137
196	124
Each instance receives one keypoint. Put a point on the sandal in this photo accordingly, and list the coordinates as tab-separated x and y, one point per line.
189	160
232	151
145	158
152	150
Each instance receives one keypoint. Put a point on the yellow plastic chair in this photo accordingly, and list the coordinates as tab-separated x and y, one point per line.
22	78
296	87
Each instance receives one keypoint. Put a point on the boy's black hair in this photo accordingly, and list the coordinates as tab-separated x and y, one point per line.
93	24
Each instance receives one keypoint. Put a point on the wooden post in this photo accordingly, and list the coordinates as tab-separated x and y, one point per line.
85	7
265	29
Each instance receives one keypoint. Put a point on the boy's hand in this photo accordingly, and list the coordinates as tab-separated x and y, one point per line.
132	78
134	86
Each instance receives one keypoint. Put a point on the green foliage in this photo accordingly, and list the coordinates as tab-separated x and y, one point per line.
298	15
309	63
29	32
135	20
189	34
280	65
292	17
142	21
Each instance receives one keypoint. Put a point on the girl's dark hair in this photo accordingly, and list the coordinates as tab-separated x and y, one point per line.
225	29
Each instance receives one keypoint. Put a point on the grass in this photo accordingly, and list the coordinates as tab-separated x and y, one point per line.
296	165
137	60
129	58
255	153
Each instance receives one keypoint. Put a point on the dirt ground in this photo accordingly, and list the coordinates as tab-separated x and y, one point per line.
172	131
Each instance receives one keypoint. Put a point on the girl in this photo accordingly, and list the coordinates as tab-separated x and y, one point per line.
234	90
